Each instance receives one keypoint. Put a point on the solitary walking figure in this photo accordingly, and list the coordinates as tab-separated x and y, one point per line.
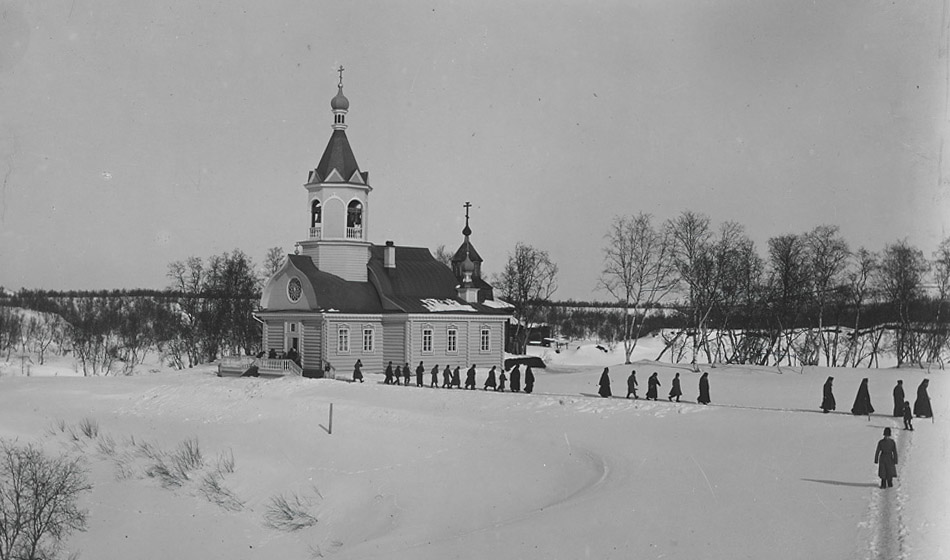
885	457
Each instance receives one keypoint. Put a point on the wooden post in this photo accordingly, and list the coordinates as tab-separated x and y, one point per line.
330	428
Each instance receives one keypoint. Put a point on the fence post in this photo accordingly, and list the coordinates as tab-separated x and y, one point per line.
330	428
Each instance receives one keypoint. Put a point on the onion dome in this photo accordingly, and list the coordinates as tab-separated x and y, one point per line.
340	102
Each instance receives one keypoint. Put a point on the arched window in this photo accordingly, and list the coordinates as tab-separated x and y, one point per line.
354	214
354	220
316	213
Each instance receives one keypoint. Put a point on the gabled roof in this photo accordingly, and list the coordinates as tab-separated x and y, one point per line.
336	294
419	284
466	246
338	156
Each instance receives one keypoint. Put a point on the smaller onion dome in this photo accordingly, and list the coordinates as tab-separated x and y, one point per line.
340	102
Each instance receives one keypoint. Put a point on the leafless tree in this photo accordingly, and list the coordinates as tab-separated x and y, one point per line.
38	502
443	256
827	254
691	239
638	272
860	290
941	277
272	262
901	277
528	281
788	290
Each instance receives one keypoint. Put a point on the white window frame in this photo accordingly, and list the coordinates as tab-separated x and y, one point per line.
427	338
343	340
452	340
484	339
369	335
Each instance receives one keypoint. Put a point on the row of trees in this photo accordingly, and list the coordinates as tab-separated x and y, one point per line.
811	299
206	312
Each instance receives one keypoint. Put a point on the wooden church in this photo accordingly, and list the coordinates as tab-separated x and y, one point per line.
340	298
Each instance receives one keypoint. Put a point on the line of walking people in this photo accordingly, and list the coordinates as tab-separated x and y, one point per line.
902	409
452	378
653	386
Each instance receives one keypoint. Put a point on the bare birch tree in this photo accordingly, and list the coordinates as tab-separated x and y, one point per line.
638	272
527	282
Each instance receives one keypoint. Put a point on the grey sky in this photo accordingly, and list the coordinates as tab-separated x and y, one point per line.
133	134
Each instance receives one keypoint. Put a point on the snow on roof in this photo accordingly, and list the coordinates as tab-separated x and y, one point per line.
497	304
446	305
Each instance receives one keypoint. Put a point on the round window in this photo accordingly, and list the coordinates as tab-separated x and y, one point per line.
294	290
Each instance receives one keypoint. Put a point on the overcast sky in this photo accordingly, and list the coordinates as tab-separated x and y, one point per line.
133	134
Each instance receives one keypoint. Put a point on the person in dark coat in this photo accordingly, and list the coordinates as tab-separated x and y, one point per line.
516	378
653	385
502	378
703	388
828	396
357	373
470	378
435	376
456	378
490	382
885	457
862	401
397	376
908	416
675	390
420	374
899	398
604	384
406	373
632	384
447	377
272	354
528	379
922	407
389	374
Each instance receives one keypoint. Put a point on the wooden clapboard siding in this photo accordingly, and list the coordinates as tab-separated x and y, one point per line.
274	336
312	347
393	339
346	260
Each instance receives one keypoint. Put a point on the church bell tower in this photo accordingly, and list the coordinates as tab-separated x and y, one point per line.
338	204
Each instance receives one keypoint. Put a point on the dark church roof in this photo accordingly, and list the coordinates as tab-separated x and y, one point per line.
336	294
418	284
338	155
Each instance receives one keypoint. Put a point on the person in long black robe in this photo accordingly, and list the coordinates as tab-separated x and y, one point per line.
703	388
389	374
885	457
653	385
675	390
447	377
470	378
456	378
528	379
515	378
604	390
922	407
435	376
358	371
899	398
406	373
862	401
490	382
420	373
397	376
502	378
828	396
632	384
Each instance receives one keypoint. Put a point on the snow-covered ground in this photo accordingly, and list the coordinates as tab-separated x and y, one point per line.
435	474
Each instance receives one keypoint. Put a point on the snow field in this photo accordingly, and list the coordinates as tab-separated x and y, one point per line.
433	473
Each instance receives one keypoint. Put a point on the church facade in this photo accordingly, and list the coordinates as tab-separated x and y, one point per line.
341	298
